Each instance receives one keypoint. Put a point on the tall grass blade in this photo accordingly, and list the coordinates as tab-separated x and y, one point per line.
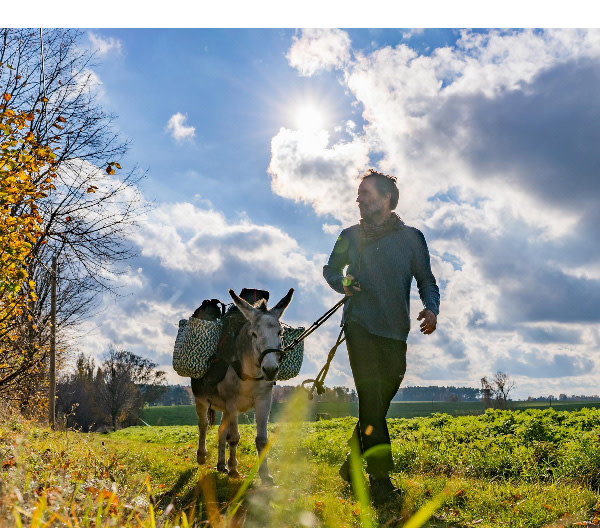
359	485
17	516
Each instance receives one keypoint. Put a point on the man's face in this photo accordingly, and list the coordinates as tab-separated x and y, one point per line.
370	203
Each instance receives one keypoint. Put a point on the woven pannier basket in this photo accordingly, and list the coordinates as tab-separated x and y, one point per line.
195	345
292	361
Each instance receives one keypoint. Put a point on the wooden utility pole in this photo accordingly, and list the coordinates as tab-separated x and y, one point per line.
52	370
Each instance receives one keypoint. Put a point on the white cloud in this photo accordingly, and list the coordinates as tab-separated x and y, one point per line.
103	46
188	239
304	167
319	49
176	126
87	81
484	137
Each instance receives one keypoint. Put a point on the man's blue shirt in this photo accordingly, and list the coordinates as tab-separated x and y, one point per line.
384	269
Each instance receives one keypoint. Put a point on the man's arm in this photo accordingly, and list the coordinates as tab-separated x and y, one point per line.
428	289
333	271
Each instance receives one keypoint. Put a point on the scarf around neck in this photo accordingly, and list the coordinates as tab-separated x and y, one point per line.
371	232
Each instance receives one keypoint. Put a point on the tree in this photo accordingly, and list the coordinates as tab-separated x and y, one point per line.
77	395
123	385
504	386
495	393
175	395
22	159
487	392
87	212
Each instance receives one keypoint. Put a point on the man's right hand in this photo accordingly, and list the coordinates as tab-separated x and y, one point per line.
349	290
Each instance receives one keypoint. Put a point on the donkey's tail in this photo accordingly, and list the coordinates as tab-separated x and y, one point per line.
212	416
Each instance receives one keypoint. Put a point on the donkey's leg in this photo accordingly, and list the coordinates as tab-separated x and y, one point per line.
261	411
223	430
233	438
201	410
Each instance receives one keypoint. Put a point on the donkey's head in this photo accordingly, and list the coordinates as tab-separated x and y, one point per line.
265	332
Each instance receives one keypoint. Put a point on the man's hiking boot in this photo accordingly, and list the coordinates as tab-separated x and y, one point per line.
382	490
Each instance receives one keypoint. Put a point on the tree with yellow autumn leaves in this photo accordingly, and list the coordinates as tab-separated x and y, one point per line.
74	204
22	159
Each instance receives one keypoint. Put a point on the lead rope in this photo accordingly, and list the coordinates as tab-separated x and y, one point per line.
318	383
315	325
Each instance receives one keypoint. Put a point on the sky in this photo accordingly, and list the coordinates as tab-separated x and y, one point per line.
253	141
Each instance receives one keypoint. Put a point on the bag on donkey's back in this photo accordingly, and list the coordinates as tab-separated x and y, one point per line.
197	339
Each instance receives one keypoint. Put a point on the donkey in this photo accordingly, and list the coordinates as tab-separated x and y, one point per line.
248	383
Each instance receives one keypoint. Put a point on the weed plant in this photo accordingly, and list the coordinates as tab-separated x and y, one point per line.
503	468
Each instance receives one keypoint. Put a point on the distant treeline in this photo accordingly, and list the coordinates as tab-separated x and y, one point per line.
182	395
436	393
175	395
564	397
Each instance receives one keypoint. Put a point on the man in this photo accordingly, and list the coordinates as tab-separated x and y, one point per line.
382	255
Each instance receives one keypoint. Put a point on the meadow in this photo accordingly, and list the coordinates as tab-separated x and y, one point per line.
532	468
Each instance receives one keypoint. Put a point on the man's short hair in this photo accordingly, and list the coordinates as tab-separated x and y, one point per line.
384	184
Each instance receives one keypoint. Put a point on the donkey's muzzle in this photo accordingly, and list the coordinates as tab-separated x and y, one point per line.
270	372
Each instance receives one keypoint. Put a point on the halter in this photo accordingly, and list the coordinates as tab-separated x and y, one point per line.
269	351
237	364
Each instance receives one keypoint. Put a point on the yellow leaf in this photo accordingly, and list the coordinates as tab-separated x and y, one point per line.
7	97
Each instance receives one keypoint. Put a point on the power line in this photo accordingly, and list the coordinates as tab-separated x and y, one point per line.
43	75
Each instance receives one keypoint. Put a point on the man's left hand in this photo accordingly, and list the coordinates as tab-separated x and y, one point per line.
429	321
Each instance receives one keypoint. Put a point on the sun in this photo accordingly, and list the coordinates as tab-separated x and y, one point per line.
308	117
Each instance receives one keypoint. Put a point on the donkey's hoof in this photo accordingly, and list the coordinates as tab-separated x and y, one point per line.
201	458
233	473
267	480
222	467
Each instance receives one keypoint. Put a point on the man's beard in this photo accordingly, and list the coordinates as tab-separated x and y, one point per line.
368	214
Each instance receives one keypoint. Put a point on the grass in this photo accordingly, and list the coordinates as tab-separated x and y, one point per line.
516	469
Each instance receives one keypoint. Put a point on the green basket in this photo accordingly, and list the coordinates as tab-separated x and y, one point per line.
292	361
195	345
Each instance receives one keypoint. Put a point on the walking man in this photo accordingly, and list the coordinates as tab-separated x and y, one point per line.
382	255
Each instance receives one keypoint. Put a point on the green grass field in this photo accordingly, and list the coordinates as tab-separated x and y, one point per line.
186	414
521	469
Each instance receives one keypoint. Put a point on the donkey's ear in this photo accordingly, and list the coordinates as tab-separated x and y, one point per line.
246	308
280	307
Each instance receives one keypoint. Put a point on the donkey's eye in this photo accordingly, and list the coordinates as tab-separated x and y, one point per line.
254	335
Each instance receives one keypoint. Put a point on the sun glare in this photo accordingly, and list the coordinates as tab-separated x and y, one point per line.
309	118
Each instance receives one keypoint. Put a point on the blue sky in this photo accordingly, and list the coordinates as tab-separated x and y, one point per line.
253	140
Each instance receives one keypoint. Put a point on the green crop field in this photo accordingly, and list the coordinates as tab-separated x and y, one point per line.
530	469
186	414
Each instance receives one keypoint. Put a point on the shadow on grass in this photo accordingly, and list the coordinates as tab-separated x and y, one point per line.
203	495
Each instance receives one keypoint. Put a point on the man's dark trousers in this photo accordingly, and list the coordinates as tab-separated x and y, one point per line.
378	366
